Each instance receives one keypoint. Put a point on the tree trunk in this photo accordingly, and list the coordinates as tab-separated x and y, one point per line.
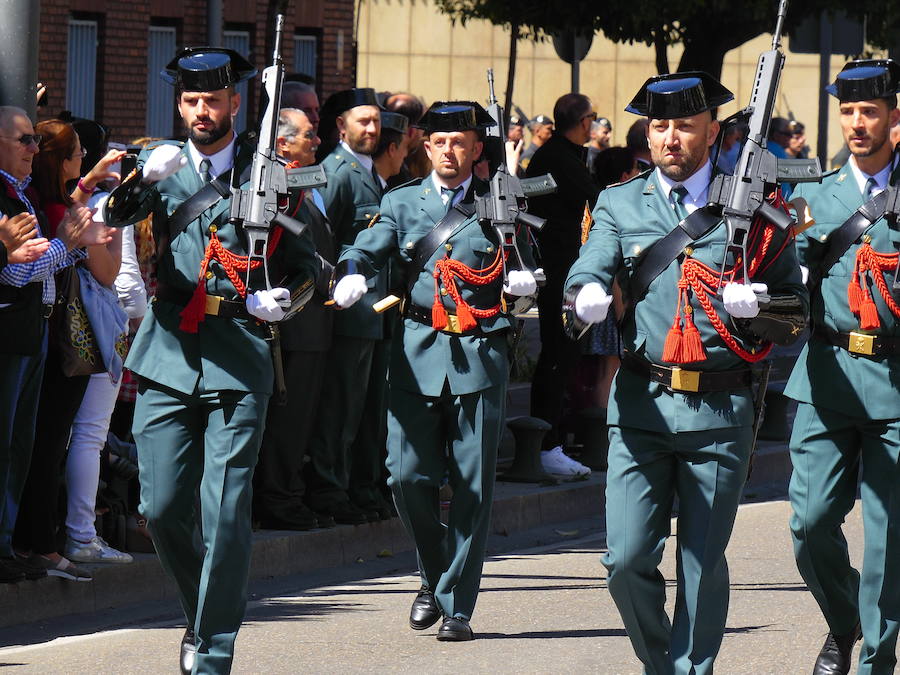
706	55
510	72
659	47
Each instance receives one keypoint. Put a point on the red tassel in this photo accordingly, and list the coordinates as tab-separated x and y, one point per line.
868	314
691	343
854	294
195	311
464	314
438	314
672	347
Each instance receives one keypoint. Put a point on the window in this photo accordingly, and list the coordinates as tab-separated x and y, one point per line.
305	55
239	41
160	94
81	78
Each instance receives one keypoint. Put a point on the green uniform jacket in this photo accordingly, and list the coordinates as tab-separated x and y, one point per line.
351	202
628	218
423	358
826	375
228	353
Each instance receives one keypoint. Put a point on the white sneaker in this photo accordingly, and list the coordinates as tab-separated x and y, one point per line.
94	551
558	463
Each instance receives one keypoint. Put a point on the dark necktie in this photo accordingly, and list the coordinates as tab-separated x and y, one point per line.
869	189
449	194
205	167
677	196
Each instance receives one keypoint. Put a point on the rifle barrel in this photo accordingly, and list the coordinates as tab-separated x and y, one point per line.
279	30
779	24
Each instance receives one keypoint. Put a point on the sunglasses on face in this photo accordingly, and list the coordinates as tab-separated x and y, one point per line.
26	139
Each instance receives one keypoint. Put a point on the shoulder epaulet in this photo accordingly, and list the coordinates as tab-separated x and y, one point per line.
643	174
150	147
409	183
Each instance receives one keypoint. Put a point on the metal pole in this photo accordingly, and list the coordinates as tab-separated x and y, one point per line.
214	23
576	73
19	38
824	76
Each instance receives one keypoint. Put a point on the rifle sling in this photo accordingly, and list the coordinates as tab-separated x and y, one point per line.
663	251
207	196
445	228
853	228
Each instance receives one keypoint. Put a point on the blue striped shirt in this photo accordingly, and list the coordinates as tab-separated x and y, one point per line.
56	258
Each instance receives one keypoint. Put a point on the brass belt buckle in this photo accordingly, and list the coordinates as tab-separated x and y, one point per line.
861	343
212	304
685	380
452	324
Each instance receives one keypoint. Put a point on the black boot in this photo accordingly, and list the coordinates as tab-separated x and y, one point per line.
834	659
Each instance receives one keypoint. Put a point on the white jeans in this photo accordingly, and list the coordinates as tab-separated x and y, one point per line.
83	464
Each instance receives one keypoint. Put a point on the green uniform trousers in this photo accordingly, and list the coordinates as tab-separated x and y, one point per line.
351	417
430	438
829	450
706	470
208	439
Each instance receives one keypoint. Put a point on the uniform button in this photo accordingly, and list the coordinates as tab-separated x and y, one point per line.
410	245
443	291
823	237
636	250
368	215
867	238
490	249
213	228
209	275
449	247
688	251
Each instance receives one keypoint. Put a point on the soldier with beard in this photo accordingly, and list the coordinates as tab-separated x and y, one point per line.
344	472
202	352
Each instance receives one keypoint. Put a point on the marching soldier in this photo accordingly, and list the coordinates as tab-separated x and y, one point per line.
448	363
202	352
846	381
681	408
349	439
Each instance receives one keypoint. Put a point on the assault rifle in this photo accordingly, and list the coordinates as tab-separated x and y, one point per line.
742	196
256	208
503	207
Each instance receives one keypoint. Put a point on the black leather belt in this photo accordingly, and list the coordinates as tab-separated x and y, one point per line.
422	315
862	343
216	305
692	381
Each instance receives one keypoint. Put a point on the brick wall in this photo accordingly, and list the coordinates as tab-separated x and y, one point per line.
122	48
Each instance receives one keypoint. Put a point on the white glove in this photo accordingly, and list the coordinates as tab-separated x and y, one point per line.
100	210
592	303
804	273
349	289
264	304
163	162
520	283
740	299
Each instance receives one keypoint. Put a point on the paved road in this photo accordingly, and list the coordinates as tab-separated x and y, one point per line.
542	610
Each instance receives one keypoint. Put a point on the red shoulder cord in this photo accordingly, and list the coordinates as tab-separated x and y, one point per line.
684	345
446	271
870	264
233	264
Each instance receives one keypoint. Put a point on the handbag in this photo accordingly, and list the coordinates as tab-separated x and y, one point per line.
70	329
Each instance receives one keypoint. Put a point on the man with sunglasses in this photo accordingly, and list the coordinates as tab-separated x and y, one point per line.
27	295
563	156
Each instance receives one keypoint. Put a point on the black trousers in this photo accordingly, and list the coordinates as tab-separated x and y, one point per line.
559	354
38	517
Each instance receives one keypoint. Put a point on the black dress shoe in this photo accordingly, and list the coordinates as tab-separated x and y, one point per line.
188	652
835	657
324	521
31	571
425	611
297	519
347	514
10	573
455	630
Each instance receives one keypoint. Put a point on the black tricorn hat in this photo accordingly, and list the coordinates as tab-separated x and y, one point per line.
455	116
341	101
516	121
866	79
395	121
677	95
207	69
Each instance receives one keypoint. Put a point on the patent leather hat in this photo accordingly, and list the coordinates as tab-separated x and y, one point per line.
207	69
450	116
865	80
341	101
677	95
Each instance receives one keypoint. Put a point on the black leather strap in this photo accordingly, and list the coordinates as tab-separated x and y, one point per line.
853	228
440	233
191	208
705	380
228	309
860	343
662	252
423	315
